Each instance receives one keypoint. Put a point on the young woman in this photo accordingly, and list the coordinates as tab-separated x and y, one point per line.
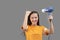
32	29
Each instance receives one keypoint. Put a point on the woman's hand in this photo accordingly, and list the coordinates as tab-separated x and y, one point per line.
50	18
27	13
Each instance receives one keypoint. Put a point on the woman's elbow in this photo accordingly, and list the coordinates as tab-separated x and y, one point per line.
52	32
23	29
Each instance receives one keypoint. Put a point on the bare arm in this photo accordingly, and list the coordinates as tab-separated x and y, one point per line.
24	26
51	30
51	26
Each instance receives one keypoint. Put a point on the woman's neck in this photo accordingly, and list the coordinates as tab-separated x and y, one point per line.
34	25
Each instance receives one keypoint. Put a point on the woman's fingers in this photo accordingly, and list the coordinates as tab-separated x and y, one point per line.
50	17
27	13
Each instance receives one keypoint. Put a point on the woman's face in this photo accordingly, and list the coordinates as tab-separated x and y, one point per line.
34	19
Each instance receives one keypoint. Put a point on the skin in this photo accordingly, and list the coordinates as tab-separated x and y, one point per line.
34	20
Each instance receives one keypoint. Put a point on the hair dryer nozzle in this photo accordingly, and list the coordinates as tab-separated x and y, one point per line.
48	10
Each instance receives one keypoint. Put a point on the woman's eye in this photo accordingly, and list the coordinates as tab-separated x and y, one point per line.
35	17
32	17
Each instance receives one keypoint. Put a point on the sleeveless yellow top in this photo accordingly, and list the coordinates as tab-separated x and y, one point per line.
34	32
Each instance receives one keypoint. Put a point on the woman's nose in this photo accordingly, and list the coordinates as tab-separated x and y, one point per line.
34	19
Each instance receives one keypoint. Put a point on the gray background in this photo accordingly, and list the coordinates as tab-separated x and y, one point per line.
12	14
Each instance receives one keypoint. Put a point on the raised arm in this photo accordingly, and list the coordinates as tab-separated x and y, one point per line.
24	26
51	30
51	24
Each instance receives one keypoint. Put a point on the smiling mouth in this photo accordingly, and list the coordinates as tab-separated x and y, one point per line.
35	21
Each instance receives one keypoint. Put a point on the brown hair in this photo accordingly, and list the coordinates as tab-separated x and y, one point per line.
29	22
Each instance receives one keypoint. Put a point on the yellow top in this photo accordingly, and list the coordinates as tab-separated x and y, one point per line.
34	32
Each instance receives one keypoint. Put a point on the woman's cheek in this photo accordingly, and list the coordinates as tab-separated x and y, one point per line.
34	21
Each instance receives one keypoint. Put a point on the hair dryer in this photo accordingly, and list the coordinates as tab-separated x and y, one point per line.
48	10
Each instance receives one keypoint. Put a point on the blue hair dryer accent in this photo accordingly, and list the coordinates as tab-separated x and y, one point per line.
48	10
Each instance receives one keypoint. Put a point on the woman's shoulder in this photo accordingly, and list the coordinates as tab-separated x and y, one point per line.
37	26
28	25
41	26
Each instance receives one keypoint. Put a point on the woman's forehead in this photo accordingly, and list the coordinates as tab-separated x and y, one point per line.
34	15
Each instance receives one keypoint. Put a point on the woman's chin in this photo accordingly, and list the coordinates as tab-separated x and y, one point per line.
34	24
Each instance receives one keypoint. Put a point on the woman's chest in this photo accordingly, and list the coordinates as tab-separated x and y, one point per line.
35	30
